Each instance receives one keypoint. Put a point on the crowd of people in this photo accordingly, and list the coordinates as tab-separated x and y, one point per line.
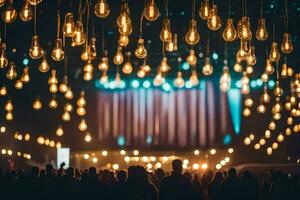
138	184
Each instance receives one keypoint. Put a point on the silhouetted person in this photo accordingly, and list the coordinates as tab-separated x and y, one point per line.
176	186
120	189
231	187
249	187
214	188
278	187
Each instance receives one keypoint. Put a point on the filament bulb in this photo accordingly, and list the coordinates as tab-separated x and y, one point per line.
52	78
118	58
194	80
229	34
192	36
104	78
191	59
284	71
69	25
225	80
124	18
140	51
36	51
104	64
63	87
245	89
25	78
35	2
179	81
269	69
3	58
274	53
127	67
237	67
9	14
88	67
207	68
44	66
286	45
251	59
205	9
265	97
123	40
12	71
261	33
58	53
164	66
2	2
278	90
214	22
151	11
53	103
85	54
78	37
172	46
244	31
242	53
26	12
166	33
158	79
93	48
37	104
101	9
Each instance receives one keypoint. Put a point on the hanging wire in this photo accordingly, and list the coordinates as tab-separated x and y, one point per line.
228	8
245	7
225	51
80	11
103	39
58	19
4	34
87	7
193	8
34	21
66	66
141	20
207	47
166	7
274	27
277	71
261	9
286	15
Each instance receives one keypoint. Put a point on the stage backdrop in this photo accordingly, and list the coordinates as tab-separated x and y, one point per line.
198	117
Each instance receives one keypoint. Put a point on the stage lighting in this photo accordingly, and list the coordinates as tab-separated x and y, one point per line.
25	61
204	166
104	153
195	166
196	152
122	152
86	156
146	84
135	83
115	166
136	152
212	151
95	160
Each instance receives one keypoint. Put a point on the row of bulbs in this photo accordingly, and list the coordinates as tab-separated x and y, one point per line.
9	152
47	142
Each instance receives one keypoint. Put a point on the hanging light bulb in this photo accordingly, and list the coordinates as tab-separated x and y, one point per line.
194	80
244	31
145	67
192	36
205	9
58	53
242	53
245	89
127	67
66	116
141	73
3	91
151	11
214	22
117	80
125	29
265	98
207	68
118	58
85	54
284	70
69	94
69	25
18	84
191	59
9	116
3	58
249	69
9	14
9	105
37	104
12	71
261	33
35	2
25	78
172	46
53	88
93	48
237	67
124	18
264	77
158	79
164	67
246	112
141	51
81	100
35	51
87	138
269	69
52	78
278	90
104	64
274	55
251	57
166	33
88	67
44	66
286	45
123	40
229	34
290	72
225	80
88	76
248	102
26	12
261	108
63	87
53	103
82	126
101	9
179	81
104	78
78	37
59	131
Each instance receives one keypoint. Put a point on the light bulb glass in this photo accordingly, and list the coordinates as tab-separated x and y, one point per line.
9	14
104	64
44	66
141	51
151	11
225	80
123	40
18	84
3	58
82	126
58	53
214	22
243	29
192	37
35	2
26	12
78	37
229	34
207	68
101	9
274	55
179	81
36	51
37	104
194	80
166	33
261	32
205	9
118	57
69	25
164	66
53	103
269	69
11	71
191	59
286	45
25	78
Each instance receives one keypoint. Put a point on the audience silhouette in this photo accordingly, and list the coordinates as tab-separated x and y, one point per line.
138	184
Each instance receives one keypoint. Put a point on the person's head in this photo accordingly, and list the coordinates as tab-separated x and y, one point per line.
92	171
121	176
232	172
247	175
49	169
177	166
35	171
218	177
70	172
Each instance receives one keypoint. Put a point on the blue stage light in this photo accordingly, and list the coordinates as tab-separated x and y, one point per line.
149	139
238	83
146	84
227	139
121	140
166	87
215	56
185	66
253	84
271	83
188	84
135	84
259	82
25	61
235	107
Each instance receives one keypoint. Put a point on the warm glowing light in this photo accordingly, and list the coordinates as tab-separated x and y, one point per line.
136	152
280	138
214	22
213	151
36	51
218	166
95	160
195	166
86	156
204	166
229	34
192	37
247	141
101	9
104	153
87	138
26	12
230	150
59	131
82	126
196	152
151	11
166	33
115	166
122	152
